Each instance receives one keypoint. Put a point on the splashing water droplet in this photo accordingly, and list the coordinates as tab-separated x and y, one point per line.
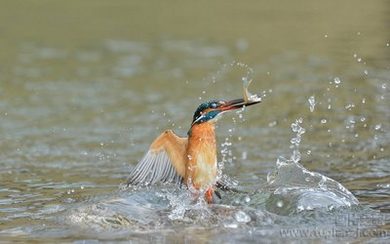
247	199
272	124
279	204
295	141
349	106
337	80
312	103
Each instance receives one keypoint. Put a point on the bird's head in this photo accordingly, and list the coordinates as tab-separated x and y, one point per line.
210	111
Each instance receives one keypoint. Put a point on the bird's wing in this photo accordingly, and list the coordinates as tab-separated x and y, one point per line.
164	162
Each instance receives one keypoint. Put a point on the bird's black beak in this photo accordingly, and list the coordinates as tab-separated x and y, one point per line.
237	104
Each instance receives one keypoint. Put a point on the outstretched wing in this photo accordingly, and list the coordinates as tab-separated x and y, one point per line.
164	162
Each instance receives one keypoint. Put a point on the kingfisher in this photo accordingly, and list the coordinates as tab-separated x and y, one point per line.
190	160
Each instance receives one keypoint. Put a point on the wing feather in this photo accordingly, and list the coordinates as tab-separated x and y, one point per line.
164	162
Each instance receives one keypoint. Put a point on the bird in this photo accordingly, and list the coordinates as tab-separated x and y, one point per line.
190	160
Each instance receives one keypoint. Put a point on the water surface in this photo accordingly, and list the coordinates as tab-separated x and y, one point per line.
86	87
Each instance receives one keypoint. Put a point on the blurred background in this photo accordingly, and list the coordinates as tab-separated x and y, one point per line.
85	86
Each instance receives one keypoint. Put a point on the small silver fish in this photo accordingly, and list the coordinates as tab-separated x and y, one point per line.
248	97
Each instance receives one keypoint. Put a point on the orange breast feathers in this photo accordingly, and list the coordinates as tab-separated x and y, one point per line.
201	167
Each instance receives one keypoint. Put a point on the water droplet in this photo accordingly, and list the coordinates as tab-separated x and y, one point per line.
364	100
388	44
337	80
272	124
279	204
312	103
378	126
359	60
384	86
349	106
326	35
355	55
247	199
365	72
323	121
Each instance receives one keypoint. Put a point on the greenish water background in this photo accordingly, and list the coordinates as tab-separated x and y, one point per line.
85	86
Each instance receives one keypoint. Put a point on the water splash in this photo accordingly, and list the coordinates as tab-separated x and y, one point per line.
312	103
296	189
296	140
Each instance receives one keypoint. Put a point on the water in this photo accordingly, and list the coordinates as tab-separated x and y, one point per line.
84	93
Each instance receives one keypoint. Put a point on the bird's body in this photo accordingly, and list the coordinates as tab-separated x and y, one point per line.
191	160
201	170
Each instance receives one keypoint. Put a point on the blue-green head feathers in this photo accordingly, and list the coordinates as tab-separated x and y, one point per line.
206	111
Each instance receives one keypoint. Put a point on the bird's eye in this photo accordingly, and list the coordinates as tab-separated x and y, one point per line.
214	105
